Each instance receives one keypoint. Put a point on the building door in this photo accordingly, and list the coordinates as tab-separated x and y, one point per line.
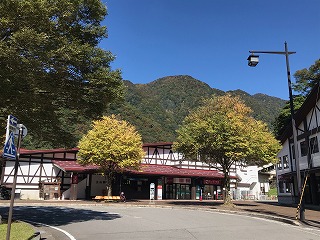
183	191
170	191
209	192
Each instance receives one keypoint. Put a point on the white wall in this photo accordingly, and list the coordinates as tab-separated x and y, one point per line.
33	170
98	185
29	194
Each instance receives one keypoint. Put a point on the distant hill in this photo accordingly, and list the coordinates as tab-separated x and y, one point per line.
158	108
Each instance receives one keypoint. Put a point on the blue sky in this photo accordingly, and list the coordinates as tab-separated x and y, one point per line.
210	40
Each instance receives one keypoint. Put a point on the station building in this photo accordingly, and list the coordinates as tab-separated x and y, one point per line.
56	174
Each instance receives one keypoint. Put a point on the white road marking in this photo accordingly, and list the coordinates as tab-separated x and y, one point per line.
58	229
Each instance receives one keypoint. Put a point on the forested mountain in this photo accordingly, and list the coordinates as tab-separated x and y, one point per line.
157	108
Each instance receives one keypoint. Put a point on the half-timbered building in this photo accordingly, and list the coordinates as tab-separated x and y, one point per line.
55	174
307	120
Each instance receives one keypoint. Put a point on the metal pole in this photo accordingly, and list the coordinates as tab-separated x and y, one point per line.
14	184
294	133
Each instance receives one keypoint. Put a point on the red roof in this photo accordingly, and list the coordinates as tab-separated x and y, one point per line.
73	166
39	151
146	169
165	170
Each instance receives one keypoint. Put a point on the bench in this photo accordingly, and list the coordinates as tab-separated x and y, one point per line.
107	198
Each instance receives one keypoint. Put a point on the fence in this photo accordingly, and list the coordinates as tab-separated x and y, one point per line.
238	194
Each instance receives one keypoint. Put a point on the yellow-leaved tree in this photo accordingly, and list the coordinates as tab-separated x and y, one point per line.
222	132
113	145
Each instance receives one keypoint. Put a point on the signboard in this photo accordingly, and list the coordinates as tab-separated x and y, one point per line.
182	180
159	189
74	179
211	182
9	150
23	129
168	180
152	189
159	192
12	123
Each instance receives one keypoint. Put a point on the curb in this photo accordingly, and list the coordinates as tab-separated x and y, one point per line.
36	236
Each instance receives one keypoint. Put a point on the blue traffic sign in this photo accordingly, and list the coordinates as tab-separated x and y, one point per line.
12	121
9	150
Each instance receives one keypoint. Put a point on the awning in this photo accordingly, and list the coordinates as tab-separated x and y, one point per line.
165	170
73	166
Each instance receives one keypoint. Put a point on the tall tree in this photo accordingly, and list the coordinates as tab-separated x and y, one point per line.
306	79
112	144
284	118
223	132
53	74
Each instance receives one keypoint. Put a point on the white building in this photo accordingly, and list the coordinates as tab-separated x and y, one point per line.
307	120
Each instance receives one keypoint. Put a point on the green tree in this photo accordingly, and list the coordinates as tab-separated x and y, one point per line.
53	74
306	79
223	132
284	118
112	144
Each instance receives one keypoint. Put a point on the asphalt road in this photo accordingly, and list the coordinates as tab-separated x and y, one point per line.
122	222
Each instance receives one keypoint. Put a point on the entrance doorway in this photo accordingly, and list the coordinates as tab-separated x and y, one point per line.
178	191
183	191
209	192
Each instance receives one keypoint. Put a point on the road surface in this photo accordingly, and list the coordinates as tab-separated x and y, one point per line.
132	222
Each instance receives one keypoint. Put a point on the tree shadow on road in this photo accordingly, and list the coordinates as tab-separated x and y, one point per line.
57	215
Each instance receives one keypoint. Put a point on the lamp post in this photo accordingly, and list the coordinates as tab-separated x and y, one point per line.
253	60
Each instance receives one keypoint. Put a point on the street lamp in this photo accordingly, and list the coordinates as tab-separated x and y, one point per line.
253	60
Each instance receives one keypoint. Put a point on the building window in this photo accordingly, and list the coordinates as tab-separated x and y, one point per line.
303	148
288	187
285	162
279	165
284	187
281	187
314	148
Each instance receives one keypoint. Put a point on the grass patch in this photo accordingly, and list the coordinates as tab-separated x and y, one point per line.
272	192
19	231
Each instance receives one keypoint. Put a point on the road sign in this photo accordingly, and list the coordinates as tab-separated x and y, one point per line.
12	121
24	130
9	150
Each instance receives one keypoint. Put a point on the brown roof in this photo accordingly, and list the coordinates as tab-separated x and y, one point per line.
165	170
39	151
73	166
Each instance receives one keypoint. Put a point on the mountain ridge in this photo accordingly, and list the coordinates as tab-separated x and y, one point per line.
157	108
